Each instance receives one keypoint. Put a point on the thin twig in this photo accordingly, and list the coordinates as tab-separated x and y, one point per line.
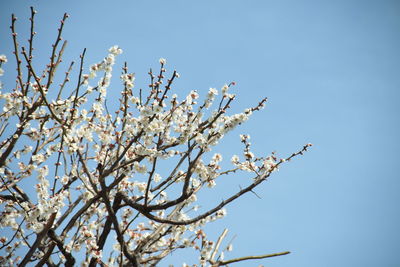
222	263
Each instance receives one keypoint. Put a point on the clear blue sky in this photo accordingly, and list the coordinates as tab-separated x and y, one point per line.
331	70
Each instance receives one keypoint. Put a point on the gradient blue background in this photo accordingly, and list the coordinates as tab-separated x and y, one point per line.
331	72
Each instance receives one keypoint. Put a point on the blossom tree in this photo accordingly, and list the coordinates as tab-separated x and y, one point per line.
113	186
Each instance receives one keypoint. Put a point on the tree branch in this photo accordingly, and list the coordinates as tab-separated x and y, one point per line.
222	263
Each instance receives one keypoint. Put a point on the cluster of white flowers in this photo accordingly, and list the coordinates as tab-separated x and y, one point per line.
9	216
115	50
106	66
13	102
210	97
128	79
269	164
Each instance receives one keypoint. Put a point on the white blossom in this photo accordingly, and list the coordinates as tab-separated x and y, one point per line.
3	58
115	50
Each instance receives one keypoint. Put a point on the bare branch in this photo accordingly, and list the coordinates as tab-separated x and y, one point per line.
223	263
